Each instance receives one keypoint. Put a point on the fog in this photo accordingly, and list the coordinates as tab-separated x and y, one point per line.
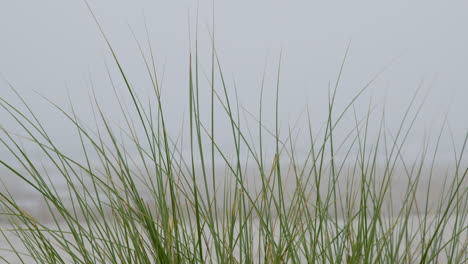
53	48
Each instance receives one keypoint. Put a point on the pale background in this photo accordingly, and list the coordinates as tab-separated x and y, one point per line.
52	46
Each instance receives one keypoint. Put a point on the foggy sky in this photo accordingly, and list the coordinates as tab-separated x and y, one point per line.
54	46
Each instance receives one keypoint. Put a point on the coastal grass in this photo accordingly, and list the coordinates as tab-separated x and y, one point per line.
158	204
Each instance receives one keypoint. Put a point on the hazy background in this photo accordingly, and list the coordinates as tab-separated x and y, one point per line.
53	46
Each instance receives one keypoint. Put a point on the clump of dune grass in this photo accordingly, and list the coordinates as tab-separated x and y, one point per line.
158	205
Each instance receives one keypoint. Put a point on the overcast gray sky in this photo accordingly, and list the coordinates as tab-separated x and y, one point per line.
50	46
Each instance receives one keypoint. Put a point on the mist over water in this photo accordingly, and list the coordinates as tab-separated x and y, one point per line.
429	191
